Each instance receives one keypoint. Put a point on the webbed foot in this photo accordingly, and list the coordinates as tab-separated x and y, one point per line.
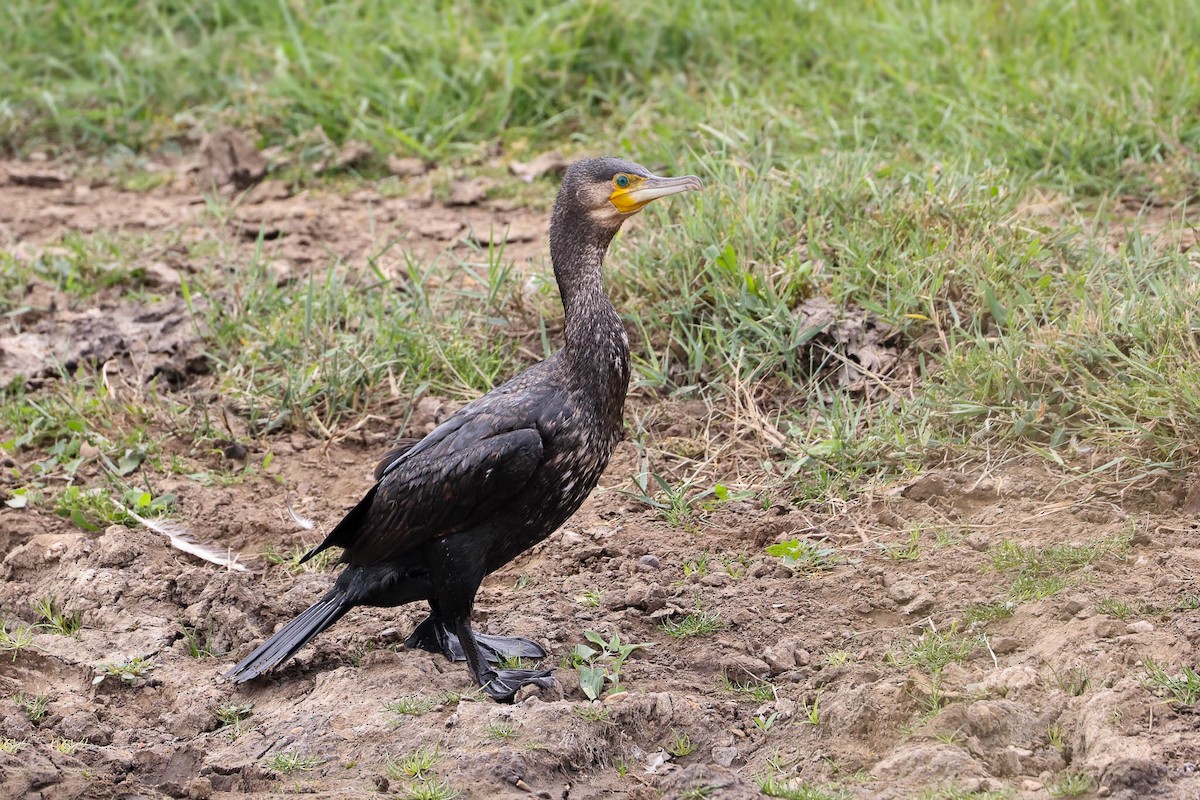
501	685
432	635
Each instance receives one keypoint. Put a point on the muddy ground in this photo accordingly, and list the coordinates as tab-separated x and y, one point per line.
838	698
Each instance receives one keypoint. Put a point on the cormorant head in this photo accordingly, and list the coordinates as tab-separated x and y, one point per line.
608	191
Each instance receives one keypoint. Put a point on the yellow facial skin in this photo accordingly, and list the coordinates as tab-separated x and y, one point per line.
638	191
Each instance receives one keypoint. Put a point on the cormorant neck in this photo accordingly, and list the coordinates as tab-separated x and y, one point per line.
577	254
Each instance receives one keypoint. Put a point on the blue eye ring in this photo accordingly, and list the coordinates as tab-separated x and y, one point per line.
621	181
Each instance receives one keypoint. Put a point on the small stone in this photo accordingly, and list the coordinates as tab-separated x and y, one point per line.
1070	607
649	561
235	451
922	604
724	756
928	487
1003	645
572	539
468	192
406	167
1108	628
1103	791
903	591
200	789
1141	626
978	542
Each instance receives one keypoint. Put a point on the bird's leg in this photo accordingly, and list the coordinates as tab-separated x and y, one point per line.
435	636
499	684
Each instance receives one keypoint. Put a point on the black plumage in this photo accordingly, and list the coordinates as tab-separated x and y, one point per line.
504	471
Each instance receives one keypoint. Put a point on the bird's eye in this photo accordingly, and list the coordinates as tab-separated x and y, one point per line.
621	181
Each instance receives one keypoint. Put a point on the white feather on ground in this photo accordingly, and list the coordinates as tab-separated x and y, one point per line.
303	522
181	539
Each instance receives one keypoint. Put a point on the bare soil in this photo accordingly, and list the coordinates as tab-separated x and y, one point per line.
1057	688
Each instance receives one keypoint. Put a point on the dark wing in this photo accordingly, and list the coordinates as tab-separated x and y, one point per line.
402	447
437	489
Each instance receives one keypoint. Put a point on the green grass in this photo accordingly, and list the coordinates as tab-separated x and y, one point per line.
699	623
414	764
1039	572
1182	690
412	705
933	650
291	761
16	638
56	619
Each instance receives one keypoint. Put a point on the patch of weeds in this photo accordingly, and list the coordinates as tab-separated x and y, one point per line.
11	746
57	620
234	714
523	582
413	764
594	712
291	761
954	793
811	711
836	658
752	688
501	730
1124	611
600	666
1054	736
1074	681
411	705
94	509
804	556
589	598
1183	690
1071	784
674	505
987	612
289	560
736	566
775	786
129	672
681	744
696	566
910	551
33	706
64	746
764	723
1040	572
933	650
198	644
430	790
699	623
14	640
698	792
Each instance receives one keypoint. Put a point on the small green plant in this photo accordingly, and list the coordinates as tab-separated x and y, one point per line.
64	746
752	688
14	640
1071	784
736	566
1045	571
765	723
501	730
681	744
523	582
57	620
603	665
413	764
198	643
288	762
1054	736
589	598
933	650
696	566
803	556
836	658
33	706
11	746
700	623
129	672
1115	607
675	507
430	790
776	786
987	612
1183	690
1074	681
412	705
622	767
905	552
811	711
289	560
698	792
234	714
594	712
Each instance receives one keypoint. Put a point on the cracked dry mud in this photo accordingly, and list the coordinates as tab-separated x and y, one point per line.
1057	688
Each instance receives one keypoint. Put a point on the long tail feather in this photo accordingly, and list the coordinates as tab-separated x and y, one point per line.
291	637
182	539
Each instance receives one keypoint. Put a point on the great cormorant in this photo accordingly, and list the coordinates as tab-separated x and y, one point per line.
504	471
